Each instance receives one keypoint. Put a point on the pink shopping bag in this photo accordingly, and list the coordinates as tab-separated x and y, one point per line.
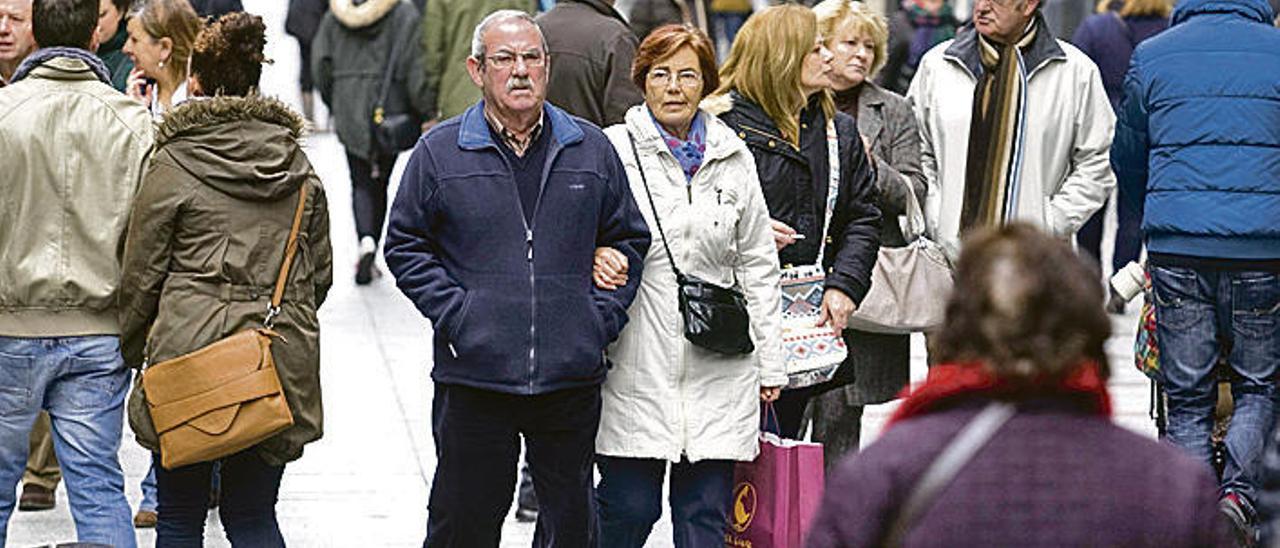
776	496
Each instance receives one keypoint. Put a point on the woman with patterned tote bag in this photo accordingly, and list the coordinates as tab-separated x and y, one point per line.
818	187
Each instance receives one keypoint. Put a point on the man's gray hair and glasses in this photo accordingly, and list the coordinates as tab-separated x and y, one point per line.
503	60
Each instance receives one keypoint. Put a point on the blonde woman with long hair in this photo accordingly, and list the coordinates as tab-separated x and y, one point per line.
858	38
1109	38
774	92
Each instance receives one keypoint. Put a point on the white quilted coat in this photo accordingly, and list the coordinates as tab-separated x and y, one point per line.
664	397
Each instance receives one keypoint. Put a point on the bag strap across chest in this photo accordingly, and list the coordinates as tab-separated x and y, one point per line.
290	250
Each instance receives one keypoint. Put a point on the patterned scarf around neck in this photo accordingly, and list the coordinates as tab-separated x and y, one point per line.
44	54
993	169
689	151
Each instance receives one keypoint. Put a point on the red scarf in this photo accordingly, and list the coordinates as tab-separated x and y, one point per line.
948	384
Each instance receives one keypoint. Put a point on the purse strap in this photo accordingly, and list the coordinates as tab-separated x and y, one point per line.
645	180
833	184
385	89
290	250
958	452
915	214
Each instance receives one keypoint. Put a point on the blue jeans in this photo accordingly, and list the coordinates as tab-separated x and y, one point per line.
250	488
81	382
629	499
1199	311
149	490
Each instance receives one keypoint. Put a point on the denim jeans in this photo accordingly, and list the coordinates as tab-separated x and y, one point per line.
148	490
247	505
630	501
1199	311
81	382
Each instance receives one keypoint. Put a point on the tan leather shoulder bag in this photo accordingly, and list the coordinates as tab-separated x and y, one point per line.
226	396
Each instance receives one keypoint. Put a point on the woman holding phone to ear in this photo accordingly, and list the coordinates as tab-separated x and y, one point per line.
161	34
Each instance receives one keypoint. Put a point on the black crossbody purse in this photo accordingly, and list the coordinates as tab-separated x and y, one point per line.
715	317
391	132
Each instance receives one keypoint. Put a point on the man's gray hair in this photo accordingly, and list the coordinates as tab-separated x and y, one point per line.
477	37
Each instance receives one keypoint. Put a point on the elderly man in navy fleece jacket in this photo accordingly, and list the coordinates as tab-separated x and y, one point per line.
492	237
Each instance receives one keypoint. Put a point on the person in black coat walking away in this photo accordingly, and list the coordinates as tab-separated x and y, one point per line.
351	58
302	22
782	110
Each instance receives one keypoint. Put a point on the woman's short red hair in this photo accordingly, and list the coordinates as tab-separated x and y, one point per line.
664	41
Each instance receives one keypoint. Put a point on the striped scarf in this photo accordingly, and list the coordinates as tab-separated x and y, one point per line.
996	131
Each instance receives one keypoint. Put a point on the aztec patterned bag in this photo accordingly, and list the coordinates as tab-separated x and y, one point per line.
1146	355
813	353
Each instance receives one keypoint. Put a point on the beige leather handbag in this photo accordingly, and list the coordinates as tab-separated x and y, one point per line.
910	285
226	396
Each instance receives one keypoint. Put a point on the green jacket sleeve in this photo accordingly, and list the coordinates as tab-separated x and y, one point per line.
148	244
320	247
432	60
421	96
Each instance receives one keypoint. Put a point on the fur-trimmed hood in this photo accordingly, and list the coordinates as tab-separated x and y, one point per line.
357	16
717	104
246	147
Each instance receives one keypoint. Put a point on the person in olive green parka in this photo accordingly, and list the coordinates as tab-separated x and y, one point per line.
207	237
446	45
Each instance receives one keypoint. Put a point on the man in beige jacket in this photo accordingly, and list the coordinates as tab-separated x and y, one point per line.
1014	125
74	151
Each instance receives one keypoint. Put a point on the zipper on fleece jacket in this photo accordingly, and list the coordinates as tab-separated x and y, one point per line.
553	151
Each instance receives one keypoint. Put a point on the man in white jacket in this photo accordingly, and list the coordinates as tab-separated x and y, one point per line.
1015	125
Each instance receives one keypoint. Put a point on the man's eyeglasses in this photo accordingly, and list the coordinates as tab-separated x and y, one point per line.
504	60
686	78
1003	4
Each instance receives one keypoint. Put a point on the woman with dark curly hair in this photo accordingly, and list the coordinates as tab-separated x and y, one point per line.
1020	361
206	239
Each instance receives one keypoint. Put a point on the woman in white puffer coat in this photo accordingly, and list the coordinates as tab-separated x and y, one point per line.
666	400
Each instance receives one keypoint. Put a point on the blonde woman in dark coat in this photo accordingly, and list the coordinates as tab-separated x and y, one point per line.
857	38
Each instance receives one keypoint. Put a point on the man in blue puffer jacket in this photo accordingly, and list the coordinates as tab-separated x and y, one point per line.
1197	146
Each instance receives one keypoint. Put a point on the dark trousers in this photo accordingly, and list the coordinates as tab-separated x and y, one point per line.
791	404
247	505
1128	235
477	434
630	501
304	75
369	194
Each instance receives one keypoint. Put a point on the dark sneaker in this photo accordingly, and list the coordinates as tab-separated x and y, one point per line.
366	271
145	519
1242	518
35	498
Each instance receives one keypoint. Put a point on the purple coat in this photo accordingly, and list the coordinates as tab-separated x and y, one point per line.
1052	476
1109	41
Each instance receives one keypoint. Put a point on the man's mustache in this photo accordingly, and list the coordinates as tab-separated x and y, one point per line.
519	82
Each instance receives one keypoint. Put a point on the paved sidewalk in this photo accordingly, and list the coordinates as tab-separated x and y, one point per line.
366	483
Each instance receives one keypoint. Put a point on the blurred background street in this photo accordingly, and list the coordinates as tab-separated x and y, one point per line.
367	482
